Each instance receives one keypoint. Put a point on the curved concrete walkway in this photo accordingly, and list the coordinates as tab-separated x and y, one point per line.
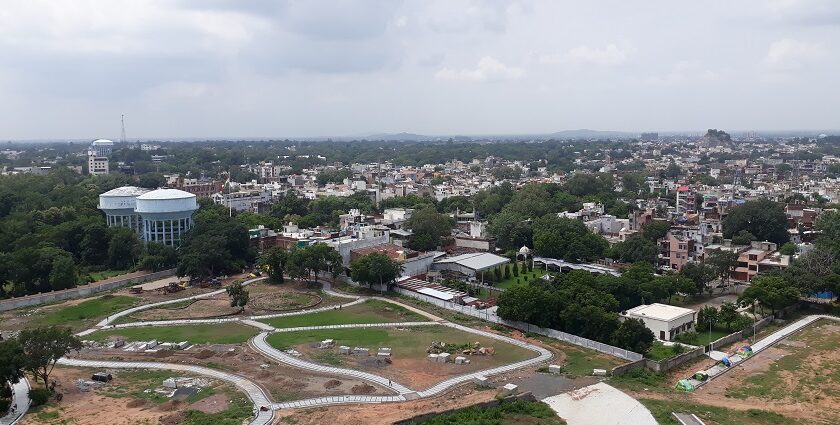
20	397
258	396
254	392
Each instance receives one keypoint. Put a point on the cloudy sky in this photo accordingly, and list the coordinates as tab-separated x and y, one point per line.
239	68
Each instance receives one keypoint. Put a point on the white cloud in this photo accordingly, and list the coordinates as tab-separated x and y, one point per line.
610	55
488	69
684	72
790	53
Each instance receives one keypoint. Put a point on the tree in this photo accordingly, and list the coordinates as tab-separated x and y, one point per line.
789	248
762	218
12	361
312	260
377	268
828	227
158	256
728	314
707	316
123	248
634	249
723	263
700	274
218	244
772	292
151	180
428	227
43	346
655	230
633	335
63	274
516	269
274	260
511	229
238	295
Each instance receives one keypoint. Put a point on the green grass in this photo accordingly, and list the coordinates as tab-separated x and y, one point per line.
580	361
87	312
811	374
507	413
371	311
238	410
508	283
106	274
640	380
702	338
134	383
222	333
661	410
659	351
407	343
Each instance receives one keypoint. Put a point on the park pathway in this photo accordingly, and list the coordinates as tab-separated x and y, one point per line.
20	398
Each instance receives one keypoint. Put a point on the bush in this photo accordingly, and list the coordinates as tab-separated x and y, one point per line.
689	337
39	396
677	349
741	323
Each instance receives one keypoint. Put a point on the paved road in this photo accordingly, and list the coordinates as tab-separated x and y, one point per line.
20	397
720	369
254	392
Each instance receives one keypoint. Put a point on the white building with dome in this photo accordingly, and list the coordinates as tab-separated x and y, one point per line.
162	215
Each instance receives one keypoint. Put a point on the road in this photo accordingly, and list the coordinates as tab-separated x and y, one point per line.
20	397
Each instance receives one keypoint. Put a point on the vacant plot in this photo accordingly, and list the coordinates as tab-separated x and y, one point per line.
661	410
218	306
409	345
507	413
221	333
371	311
77	314
136	397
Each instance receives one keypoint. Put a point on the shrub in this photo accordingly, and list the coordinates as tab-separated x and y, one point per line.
39	396
677	349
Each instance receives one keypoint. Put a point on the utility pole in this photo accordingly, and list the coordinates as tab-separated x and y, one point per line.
122	133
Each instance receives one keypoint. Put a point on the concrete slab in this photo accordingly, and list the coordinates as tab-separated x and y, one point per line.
600	404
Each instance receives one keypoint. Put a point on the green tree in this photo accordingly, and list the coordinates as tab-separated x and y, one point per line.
772	292
634	249
43	346
516	269
274	261
157	256
700	275
723	263
762	218
312	260
238	295
12	361
633	335
123	248
218	244
655	230
428	227
63	274
789	248
708	316
728	314
376	268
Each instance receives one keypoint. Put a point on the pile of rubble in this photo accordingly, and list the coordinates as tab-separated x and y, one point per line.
474	349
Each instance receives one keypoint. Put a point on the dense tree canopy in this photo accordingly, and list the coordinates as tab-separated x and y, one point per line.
762	218
428	227
218	244
375	268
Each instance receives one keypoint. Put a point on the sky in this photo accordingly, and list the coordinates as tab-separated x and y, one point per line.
312	68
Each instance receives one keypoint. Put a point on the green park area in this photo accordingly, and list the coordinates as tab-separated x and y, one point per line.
524	277
410	343
371	311
210	333
82	315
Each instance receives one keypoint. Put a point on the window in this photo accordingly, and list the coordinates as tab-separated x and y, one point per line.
662	335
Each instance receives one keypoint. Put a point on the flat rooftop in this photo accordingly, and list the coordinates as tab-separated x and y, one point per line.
659	311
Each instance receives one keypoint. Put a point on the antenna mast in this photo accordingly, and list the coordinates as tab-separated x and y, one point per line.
122	134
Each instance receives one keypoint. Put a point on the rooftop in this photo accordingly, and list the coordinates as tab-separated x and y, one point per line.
166	194
659	311
477	261
126	191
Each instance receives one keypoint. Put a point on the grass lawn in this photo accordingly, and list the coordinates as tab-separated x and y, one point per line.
371	311
641	380
86	312
507	283
702	338
579	361
661	410
659	351
805	373
408	343
222	333
106	274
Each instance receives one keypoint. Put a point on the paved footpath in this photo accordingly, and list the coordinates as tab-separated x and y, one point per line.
254	392
20	397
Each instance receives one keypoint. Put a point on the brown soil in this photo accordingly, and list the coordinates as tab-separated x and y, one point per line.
214	404
375	414
218	305
332	383
363	389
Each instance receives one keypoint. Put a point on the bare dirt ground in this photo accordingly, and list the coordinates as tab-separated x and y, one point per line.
284	383
374	414
97	406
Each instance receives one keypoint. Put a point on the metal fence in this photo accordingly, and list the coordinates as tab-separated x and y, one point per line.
526	327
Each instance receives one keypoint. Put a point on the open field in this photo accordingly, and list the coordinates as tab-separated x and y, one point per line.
371	311
576	361
221	333
409	347
77	314
661	410
131	399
